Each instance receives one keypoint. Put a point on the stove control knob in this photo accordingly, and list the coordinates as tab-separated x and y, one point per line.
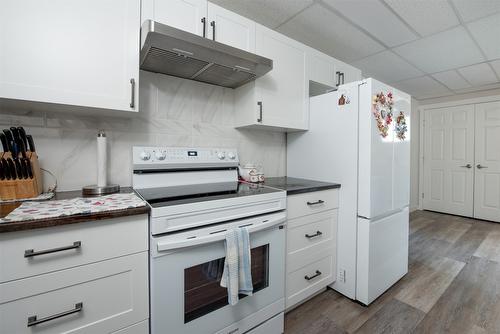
160	155
145	155
231	155
221	155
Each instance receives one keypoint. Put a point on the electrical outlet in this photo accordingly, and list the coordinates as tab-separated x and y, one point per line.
342	275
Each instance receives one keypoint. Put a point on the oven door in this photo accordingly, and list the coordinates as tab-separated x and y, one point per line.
186	268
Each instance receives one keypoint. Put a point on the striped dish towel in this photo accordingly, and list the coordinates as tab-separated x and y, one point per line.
237	274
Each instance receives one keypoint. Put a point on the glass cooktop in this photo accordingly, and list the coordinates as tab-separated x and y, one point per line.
175	195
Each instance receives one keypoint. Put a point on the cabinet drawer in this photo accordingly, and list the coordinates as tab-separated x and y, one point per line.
298	287
309	203
311	230
71	245
97	298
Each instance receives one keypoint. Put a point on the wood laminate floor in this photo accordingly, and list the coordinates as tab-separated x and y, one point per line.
452	286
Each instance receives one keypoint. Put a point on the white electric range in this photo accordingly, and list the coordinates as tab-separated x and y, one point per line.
195	196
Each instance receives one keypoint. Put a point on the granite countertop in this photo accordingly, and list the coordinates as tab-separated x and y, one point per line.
294	186
12	226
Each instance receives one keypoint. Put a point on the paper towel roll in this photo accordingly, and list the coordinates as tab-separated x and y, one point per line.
101	160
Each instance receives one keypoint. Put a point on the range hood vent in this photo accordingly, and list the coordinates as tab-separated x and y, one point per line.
179	53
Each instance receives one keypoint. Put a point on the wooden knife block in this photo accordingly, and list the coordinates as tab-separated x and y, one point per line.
23	188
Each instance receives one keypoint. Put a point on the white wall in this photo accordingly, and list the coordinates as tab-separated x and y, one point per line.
415	144
173	112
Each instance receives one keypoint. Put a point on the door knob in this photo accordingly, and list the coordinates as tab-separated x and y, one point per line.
480	167
467	166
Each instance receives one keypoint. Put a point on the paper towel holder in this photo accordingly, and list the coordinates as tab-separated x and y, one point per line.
96	189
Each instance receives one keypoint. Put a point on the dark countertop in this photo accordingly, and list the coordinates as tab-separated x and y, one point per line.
6	208
294	186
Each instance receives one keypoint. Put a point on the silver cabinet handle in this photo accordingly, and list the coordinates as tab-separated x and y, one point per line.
342	76
338	78
33	320
317	234
467	166
31	252
204	21
213	29
480	167
316	274
316	203
259	120
132	93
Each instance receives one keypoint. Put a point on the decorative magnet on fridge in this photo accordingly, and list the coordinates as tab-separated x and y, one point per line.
401	127
382	111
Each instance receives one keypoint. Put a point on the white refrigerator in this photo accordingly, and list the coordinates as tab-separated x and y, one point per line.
359	137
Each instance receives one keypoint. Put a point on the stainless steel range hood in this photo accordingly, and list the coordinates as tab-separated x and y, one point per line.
179	53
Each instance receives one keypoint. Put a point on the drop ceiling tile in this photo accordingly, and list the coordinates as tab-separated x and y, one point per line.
485	32
496	66
269	13
470	10
367	14
451	79
423	87
387	66
444	51
426	17
479	74
321	29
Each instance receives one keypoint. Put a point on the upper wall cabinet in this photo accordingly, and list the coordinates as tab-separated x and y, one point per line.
320	68
203	18
279	99
230	28
81	53
188	15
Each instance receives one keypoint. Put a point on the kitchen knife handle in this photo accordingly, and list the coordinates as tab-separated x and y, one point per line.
132	93
29	170
204	21
22	134
5	168
3	139
31	143
259	120
213	29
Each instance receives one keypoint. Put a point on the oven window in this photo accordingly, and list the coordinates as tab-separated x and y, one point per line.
202	291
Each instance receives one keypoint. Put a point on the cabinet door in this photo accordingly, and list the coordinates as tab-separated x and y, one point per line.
188	15
320	68
230	28
83	53
487	164
282	91
347	72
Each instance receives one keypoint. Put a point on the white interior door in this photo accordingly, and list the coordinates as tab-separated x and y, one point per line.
487	164
449	159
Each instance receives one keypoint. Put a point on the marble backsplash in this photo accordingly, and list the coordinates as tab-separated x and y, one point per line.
173	112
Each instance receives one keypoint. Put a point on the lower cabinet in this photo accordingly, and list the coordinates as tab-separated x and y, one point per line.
311	246
103	296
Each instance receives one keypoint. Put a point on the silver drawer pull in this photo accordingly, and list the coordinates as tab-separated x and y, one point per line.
317	234
315	203
31	252
313	276
32	321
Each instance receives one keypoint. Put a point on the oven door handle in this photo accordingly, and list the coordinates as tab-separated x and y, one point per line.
218	236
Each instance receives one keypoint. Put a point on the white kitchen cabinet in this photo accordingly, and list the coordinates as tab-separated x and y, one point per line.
278	100
230	28
81	278
80	53
320	68
188	15
311	255
346	72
